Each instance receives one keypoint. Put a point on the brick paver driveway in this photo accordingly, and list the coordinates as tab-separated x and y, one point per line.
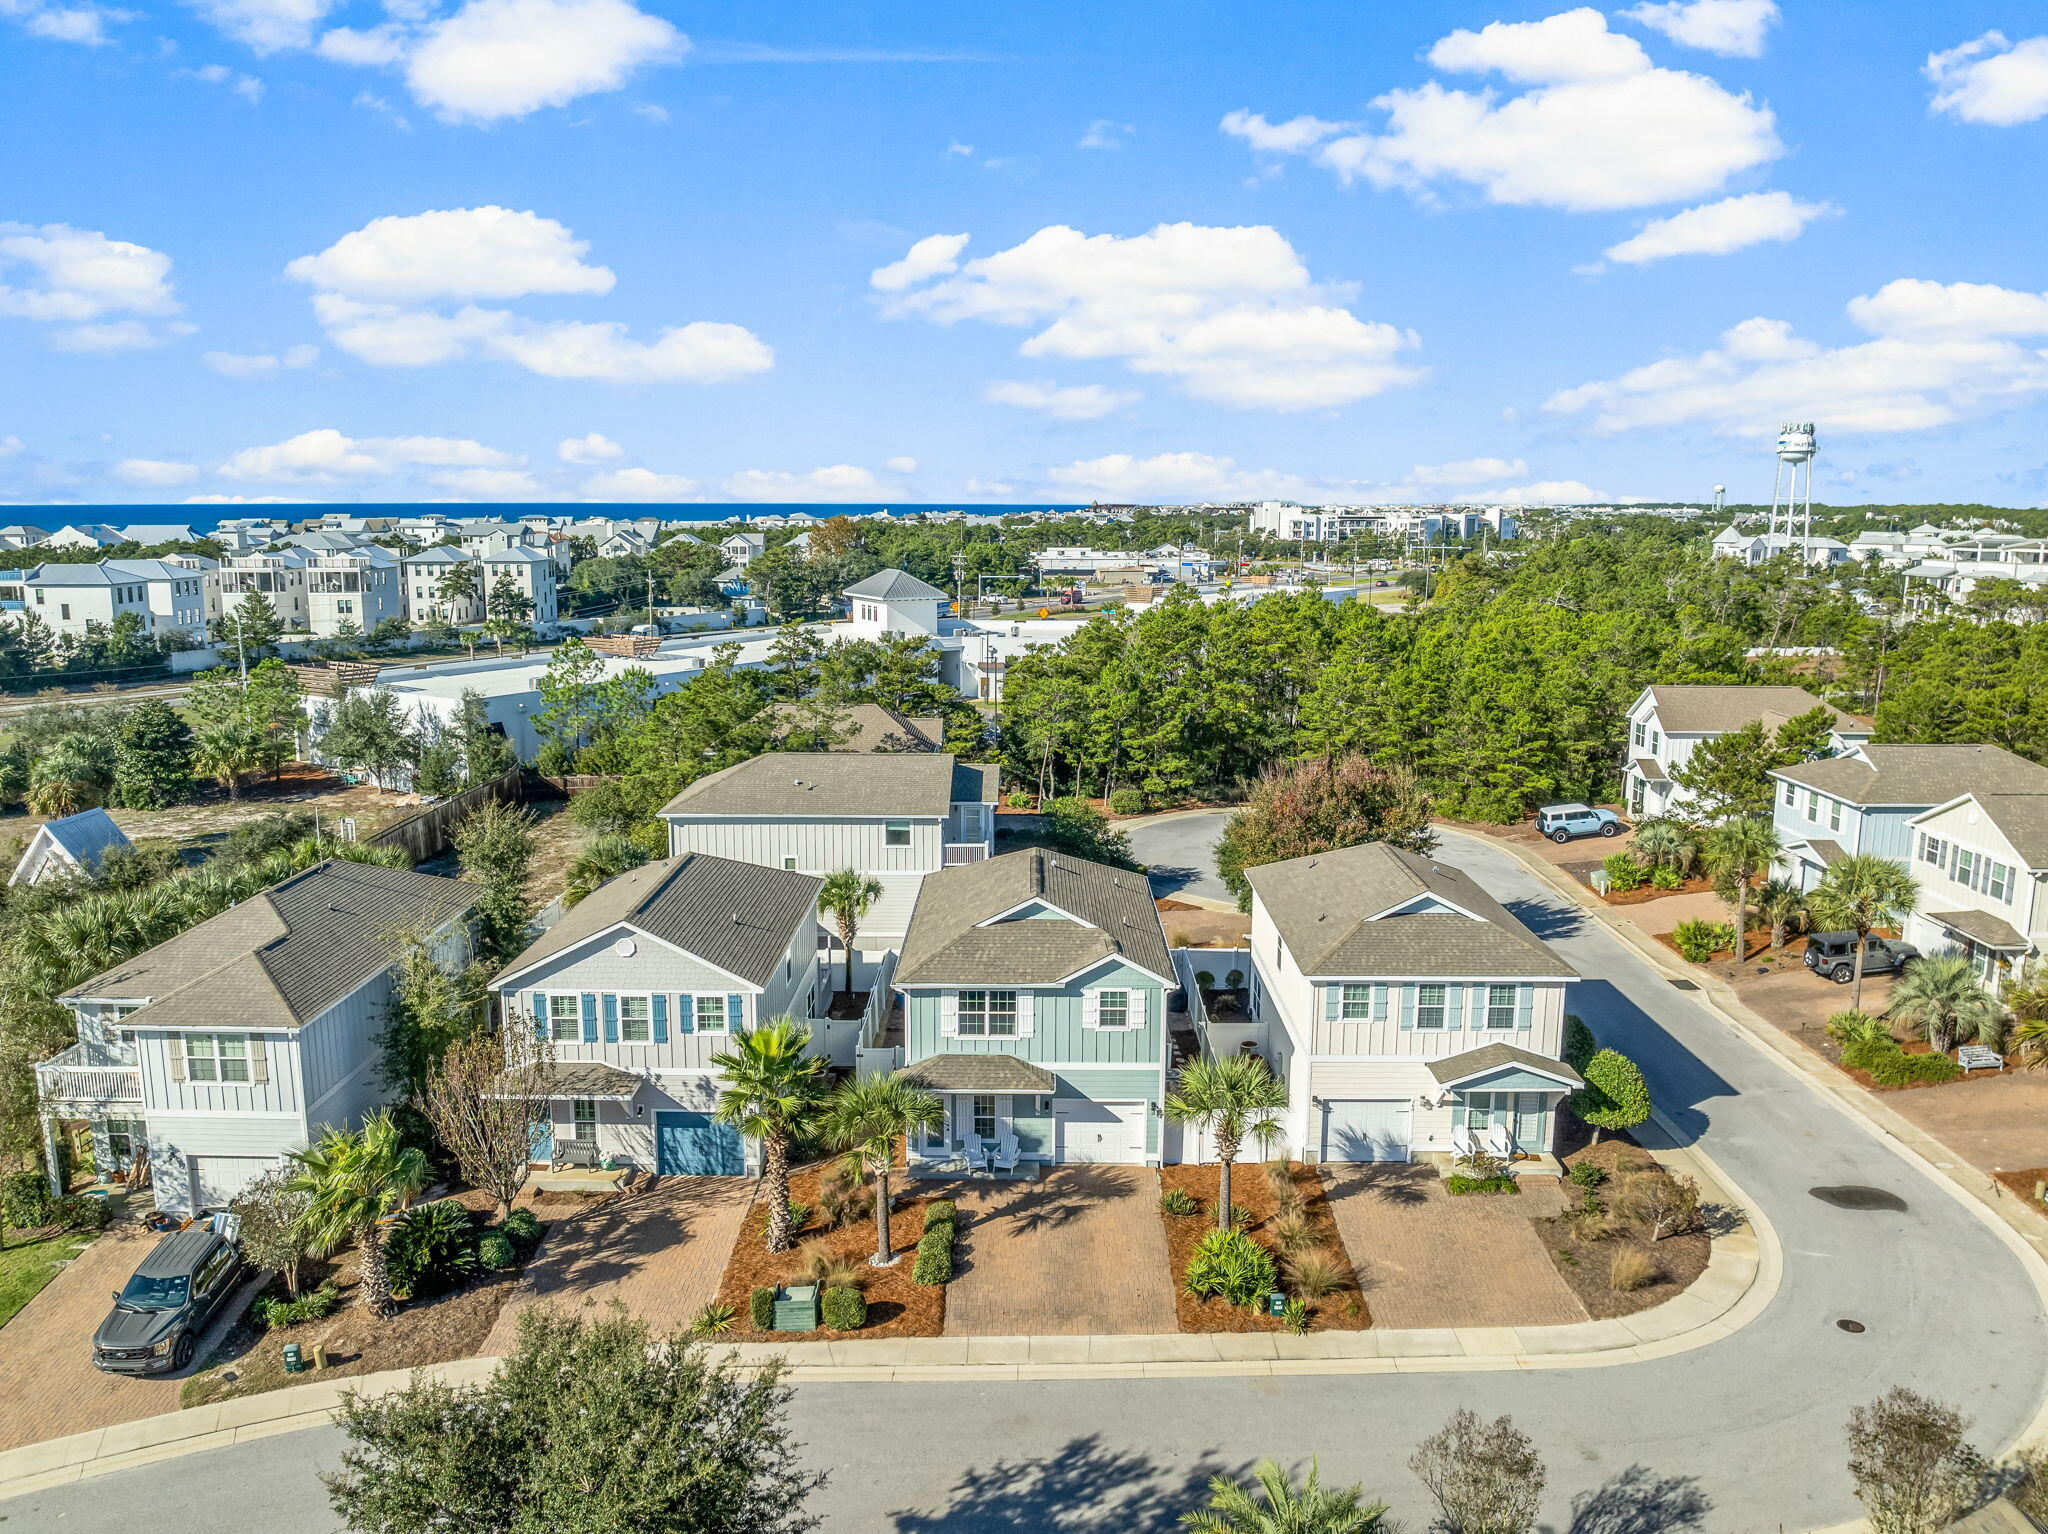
660	1249
1080	1252
1426	1258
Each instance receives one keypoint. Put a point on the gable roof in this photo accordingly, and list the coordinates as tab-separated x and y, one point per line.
1324	908
895	586
1487	1058
281	958
1109	915
869	728
86	837
2022	819
849	783
1708	710
1918	775
737	916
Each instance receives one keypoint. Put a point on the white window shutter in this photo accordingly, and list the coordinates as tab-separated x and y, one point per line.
1091	1009
259	1061
949	1014
1026	1020
175	1044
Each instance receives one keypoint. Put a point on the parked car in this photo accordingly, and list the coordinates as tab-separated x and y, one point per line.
1562	822
1834	954
157	1318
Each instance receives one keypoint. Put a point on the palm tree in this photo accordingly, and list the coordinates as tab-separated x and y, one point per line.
1277	1508
351	1181
1663	844
1781	903
1940	997
1859	894
226	751
866	1119
1737	851
1232	1097
846	897
773	1085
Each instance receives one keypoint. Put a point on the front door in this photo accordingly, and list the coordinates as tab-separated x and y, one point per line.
697	1145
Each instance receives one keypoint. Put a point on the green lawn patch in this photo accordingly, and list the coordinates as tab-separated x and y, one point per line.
27	1265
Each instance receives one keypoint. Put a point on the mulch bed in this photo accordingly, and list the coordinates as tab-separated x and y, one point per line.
1757	943
1343	1311
2022	1183
1583	1265
1644	894
897	1307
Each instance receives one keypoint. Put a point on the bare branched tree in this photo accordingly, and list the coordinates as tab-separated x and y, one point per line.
1486	1477
1914	1471
484	1099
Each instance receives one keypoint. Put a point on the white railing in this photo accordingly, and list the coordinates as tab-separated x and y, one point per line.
90	1074
871	1056
965	852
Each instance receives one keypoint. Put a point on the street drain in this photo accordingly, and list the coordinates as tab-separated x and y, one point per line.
1683	985
1850	1326
1859	1198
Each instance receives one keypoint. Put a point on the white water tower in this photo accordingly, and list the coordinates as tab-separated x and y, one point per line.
1792	490
1720	499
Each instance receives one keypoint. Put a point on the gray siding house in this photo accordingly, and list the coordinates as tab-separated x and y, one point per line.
640	984
1035	989
212	1055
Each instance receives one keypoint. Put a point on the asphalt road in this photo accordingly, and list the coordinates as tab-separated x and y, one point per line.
1741	1437
1180	851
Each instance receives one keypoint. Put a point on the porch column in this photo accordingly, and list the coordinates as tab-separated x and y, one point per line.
50	1154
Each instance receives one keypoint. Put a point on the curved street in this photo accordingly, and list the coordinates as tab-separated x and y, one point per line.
1741	1436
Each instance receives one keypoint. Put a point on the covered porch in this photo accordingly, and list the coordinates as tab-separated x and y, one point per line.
1994	946
998	1123
1503	1103
572	1151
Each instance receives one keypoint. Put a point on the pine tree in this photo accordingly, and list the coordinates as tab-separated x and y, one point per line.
153	757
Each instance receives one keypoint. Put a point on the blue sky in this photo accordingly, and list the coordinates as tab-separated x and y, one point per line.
620	249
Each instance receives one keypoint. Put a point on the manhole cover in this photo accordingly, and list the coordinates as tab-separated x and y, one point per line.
1850	1326
1683	985
1853	1197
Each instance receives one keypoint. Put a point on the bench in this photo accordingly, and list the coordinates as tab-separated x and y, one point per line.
1976	1057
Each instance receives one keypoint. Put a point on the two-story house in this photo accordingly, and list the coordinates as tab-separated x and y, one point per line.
431	596
1981	860
1864	800
899	818
1034	991
165	597
641	983
212	1055
1667	724
1405	1007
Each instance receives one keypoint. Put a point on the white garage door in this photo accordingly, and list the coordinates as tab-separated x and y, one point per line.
1363	1129
1091	1131
217	1179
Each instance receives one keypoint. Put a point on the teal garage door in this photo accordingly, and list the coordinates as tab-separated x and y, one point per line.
697	1145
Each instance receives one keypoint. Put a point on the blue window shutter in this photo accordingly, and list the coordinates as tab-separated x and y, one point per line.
1407	1006
735	1012
1379	1003
1525	1006
660	1019
686	1020
537	1008
611	1018
1333	1002
589	1018
1454	1007
1458	1112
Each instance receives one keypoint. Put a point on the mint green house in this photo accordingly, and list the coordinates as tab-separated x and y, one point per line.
1035	989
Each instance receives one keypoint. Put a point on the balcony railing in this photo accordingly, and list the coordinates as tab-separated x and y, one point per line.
964	852
90	1075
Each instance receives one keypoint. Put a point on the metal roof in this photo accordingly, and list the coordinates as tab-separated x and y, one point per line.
896	586
86	837
591	1079
1096	913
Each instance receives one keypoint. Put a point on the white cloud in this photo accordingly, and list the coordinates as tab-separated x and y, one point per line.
267	26
900	465
371	49
156	472
1720	227
1939	353
373	287
1467	471
1992	79
1732	27
260	364
1545	492
591	448
66	276
1175	476
248	87
11	445
491	484
837	482
115	336
506	58
328	455
954	146
85	25
1077	402
639	485
1600	127
1231	314
1103	133
245	500
933	256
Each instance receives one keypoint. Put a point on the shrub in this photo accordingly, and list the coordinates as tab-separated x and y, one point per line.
1631	1268
843	1309
522	1227
761	1309
1292	1231
1615	1095
1178	1201
1579	1044
1460	1182
1205	980
1588	1176
1665	877
1857	1028
1280	1177
1294	1316
799	1216
78	1211
1234	981
1899	1069
25	1200
275	1312
1240	1217
1019	800
934	1265
1699	940
431	1247
1317	1272
824	1266
716	1319
1127	801
941	1211
494	1252
1660	1204
842	1201
1229	1264
1623	872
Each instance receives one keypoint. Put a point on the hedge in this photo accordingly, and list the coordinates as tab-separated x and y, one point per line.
761	1309
934	1265
844	1309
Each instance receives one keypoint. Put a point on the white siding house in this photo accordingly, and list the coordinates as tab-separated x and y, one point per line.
1982	864
1667	724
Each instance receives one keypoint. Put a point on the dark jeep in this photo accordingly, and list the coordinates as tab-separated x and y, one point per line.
155	1324
1834	954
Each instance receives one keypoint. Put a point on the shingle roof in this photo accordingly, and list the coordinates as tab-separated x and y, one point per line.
1324	905
895	586
738	916
572	1078
1919	775
2023	818
978	1073
281	958
832	783
1497	1056
866	727
1651	772
87	836
1983	927
1111	909
1707	710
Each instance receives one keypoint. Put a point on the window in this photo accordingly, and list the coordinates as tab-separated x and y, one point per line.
988	1014
125	1137
584	1113
1356	1004
1113	1009
1639	732
1429	1006
636	1020
705	1013
790	864
1791	796
1834	814
1812	805
985	1116
896	833
1932	849
216	1057
1998	881
1500	1006
565	1018
1965	872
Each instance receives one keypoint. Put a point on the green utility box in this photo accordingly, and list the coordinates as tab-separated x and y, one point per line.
796	1308
294	1360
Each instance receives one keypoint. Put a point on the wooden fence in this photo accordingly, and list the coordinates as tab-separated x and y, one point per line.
428	833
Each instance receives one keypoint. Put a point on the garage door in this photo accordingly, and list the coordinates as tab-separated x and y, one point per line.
697	1145
1363	1129
1091	1131
217	1179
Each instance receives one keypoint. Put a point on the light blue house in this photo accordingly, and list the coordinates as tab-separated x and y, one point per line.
1035	988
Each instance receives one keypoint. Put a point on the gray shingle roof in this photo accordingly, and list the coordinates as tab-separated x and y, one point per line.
1707	710
978	1073
573	1078
1323	906
896	586
835	783
1112	910
281	958
87	836
1983	927
1919	775
2023	818
867	727
738	916
1493	1057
